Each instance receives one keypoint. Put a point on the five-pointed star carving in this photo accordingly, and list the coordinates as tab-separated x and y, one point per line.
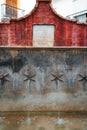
3	78
57	78
83	78
29	77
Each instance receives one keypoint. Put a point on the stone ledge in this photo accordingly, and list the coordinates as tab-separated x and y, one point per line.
43	0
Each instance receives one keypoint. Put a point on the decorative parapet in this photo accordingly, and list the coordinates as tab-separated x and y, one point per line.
53	29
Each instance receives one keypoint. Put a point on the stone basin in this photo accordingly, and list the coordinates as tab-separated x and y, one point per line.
43	120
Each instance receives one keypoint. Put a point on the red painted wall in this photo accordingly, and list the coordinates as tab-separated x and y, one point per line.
19	32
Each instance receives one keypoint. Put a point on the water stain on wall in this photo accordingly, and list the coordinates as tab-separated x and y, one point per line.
40	78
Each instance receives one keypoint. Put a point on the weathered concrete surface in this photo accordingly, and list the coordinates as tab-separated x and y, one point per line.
43	79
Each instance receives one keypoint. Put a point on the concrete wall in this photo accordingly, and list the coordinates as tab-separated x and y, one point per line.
43	79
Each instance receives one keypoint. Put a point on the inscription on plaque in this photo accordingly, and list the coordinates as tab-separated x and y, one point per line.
43	35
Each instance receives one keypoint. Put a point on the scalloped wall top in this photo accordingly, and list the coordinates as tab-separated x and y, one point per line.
20	32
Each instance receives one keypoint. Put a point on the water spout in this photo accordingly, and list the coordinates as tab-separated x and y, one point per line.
60	121
28	121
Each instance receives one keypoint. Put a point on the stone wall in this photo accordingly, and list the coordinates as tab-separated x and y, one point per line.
43	79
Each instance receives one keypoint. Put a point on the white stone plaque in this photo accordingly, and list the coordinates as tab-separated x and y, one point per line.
43	35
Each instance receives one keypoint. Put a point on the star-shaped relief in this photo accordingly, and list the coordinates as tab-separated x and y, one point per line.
29	77
3	78
83	79
57	78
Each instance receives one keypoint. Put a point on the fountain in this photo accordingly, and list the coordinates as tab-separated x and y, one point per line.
41	72
28	121
60	122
